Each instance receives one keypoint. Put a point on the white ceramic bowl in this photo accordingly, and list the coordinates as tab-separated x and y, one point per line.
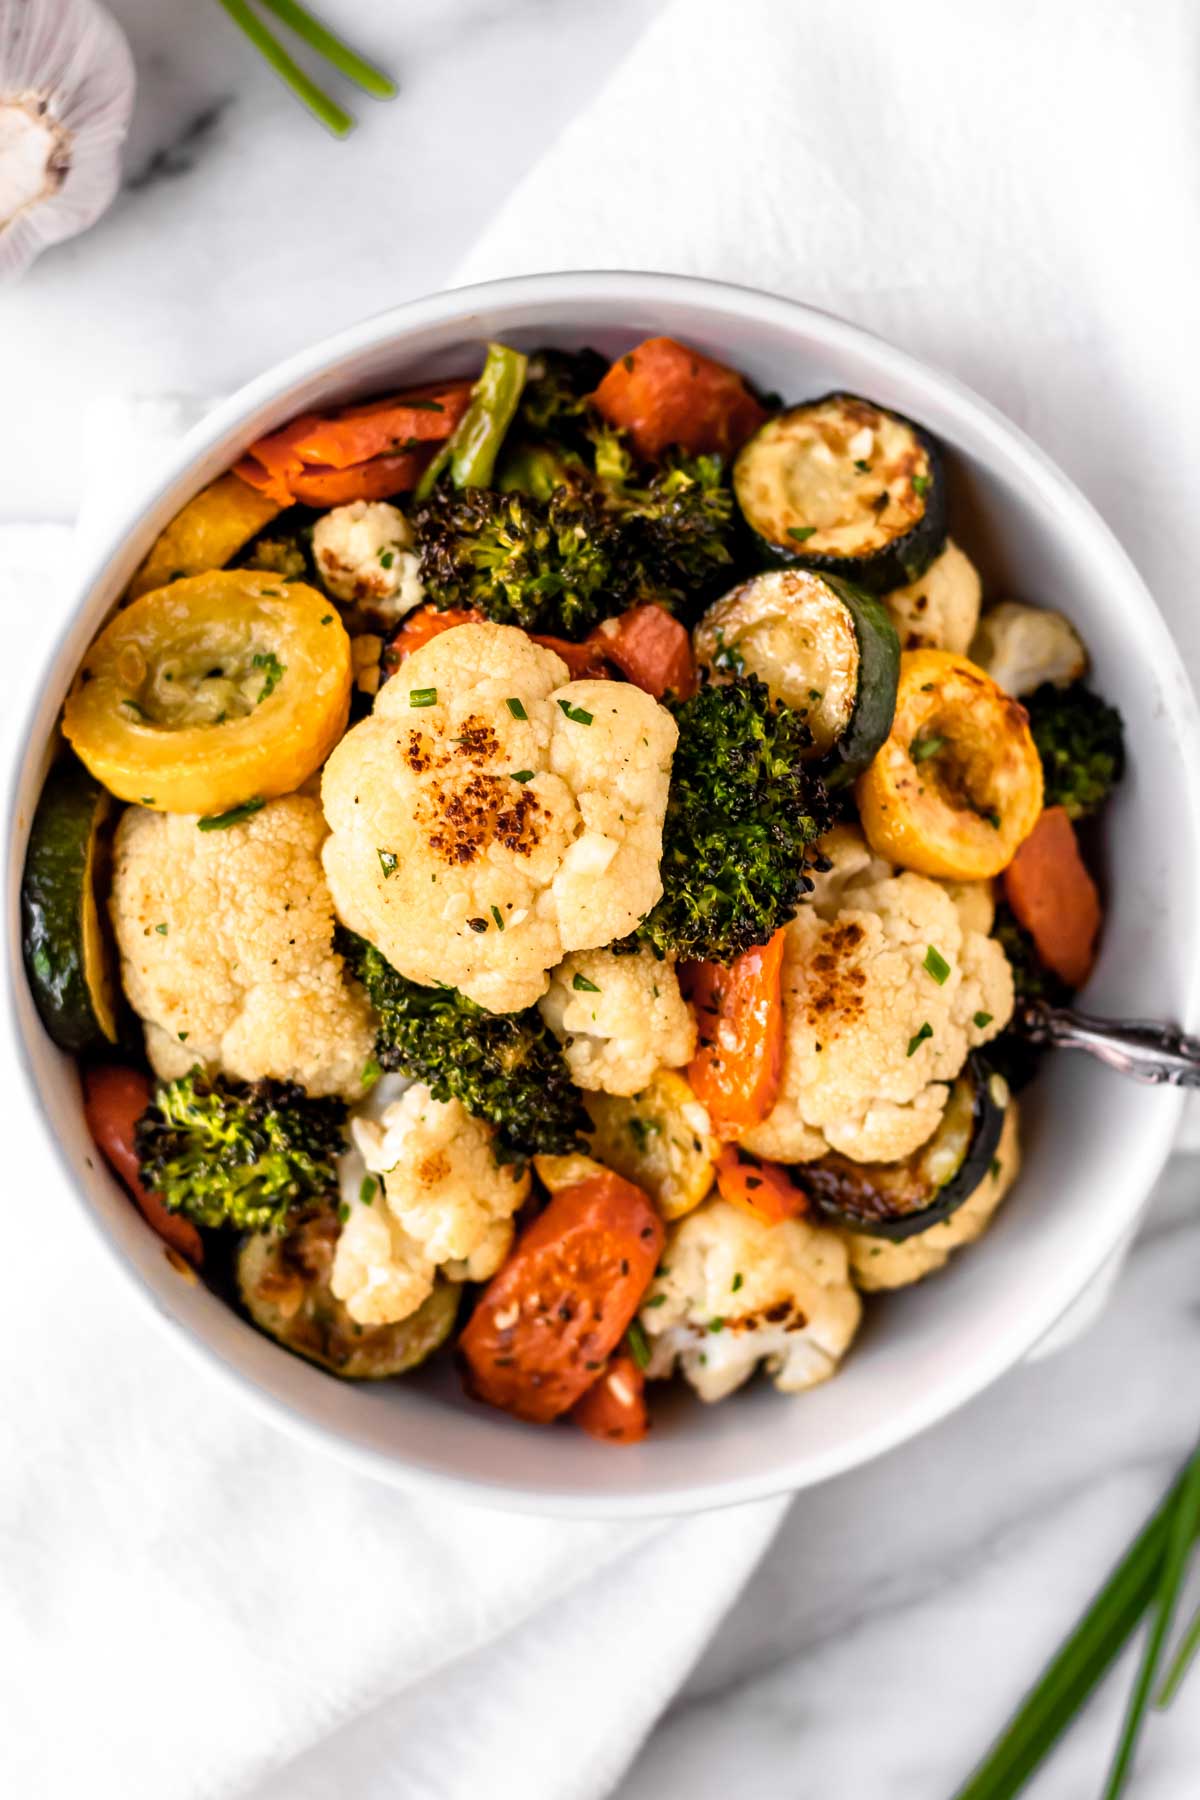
1094	1144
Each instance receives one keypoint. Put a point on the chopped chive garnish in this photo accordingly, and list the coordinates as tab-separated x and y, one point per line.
328	619
366	1192
235	815
425	405
582	985
639	1349
981	1019
921	749
737	1282
576	714
147	800
864	468
182	1036
422	696
715	1325
920	485
371	1072
656	1300
343	1212
522	775
161	930
273	671
517	709
918	1038
498	919
801	533
386	558
389	862
936	965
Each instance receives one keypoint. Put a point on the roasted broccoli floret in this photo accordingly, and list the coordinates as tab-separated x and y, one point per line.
1081	742
284	546
561	551
555	403
678	530
238	1153
546	565
506	1068
743	815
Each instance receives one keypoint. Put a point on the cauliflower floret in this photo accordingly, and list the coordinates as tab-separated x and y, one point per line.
734	1292
380	1274
939	610
619	1019
1021	646
876	1263
366	555
884	994
487	819
226	942
447	1204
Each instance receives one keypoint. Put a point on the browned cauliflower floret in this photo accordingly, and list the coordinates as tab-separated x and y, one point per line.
619	1019
445	1207
734	1292
875	1263
489	816
366	556
940	609
226	941
885	992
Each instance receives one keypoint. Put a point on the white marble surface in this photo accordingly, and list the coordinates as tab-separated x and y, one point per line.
902	1608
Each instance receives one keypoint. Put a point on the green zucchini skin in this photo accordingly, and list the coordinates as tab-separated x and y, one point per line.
320	1329
60	914
878	680
892	565
899	1200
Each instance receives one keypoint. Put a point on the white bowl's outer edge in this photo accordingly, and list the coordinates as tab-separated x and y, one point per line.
115	559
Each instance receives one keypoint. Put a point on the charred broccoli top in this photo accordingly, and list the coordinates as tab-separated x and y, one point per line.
506	1068
1081	742
743	813
546	565
560	551
556	402
235	1153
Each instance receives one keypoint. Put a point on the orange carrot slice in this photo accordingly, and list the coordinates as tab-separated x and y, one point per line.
1054	897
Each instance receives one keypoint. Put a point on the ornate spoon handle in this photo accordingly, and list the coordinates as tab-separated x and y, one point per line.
1138	1048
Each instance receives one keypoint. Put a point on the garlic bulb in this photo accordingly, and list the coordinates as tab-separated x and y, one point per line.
66	92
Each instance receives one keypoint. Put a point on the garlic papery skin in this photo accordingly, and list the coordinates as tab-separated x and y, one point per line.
66	93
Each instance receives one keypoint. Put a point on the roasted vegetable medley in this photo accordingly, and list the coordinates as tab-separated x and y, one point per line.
545	861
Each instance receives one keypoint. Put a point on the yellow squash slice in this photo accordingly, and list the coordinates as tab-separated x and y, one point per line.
659	1139
957	786
221	689
212	527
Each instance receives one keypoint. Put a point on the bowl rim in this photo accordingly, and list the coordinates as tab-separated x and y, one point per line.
445	306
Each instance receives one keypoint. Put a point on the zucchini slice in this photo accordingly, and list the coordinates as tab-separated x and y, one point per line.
823	647
846	487
283	1280
70	958
896	1200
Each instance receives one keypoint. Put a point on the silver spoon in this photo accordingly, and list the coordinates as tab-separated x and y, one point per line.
1156	1054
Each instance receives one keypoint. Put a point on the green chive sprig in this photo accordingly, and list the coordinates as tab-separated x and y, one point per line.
325	43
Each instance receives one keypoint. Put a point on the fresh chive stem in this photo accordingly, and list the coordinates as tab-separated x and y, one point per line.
1081	1664
339	54
306	90
1174	1567
1189	1644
